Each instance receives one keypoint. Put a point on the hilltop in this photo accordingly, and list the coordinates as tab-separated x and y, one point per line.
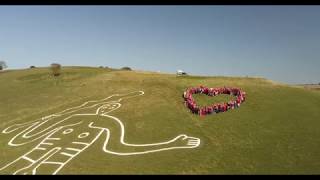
275	131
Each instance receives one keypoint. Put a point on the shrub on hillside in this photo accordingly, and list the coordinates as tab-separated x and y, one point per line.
31	67
126	69
56	69
3	65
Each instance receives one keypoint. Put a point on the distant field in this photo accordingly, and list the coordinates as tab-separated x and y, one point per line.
275	131
311	86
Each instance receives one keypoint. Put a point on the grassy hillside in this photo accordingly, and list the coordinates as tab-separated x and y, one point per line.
275	131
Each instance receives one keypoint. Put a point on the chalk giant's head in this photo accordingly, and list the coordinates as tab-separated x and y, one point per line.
106	108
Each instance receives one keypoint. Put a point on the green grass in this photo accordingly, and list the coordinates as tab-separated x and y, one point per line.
275	131
204	100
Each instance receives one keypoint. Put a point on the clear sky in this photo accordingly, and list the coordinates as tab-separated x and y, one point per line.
281	43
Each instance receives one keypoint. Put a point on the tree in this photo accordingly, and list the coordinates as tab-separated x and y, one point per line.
126	68
3	65
56	69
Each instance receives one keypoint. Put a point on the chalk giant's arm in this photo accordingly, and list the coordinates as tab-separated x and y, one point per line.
115	144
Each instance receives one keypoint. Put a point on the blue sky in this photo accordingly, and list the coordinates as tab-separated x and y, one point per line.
281	43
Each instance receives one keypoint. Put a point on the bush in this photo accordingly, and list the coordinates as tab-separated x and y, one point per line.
100	66
31	67
56	69
126	68
3	65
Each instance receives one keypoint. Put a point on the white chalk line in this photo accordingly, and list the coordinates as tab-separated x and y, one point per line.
50	131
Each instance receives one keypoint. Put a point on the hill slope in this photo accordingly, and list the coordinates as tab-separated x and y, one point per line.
275	131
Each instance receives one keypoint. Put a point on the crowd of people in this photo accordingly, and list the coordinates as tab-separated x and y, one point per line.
217	107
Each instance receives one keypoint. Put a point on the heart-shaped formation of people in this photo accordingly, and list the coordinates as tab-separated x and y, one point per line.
214	108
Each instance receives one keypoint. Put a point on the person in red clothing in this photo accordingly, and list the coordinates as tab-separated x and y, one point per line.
206	90
215	108
204	111
219	108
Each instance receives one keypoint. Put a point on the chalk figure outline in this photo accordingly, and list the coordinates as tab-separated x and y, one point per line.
47	136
